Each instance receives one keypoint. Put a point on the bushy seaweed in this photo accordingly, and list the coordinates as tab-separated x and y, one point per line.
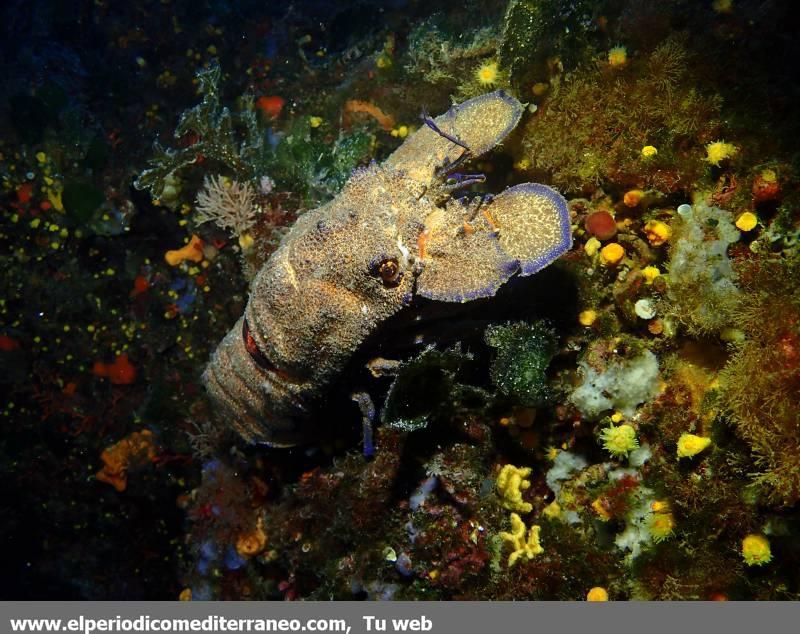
522	354
593	125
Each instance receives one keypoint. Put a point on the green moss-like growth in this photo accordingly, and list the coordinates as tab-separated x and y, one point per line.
522	353
303	160
533	30
233	139
306	163
761	381
424	388
595	122
443	49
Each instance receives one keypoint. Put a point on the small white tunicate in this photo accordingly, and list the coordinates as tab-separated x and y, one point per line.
645	309
685	210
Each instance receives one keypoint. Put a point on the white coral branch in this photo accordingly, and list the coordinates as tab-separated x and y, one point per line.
231	205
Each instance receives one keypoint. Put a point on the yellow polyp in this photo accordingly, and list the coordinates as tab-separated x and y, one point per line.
592	246
690	445
747	221
597	594
661	526
657	232
719	151
660	506
650	273
253	542
487	73
511	482
612	254
620	440
599	507
522	547
649	151
246	242
756	550
587	317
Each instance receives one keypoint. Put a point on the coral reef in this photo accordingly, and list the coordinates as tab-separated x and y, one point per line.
623	425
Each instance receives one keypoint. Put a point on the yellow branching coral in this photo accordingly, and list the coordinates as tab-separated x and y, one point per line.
522	546
511	482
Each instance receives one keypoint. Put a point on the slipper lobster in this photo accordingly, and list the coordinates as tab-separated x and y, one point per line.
394	233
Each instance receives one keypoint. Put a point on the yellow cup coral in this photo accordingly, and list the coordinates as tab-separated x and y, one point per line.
618	56
487	74
597	594
661	526
719	151
650	273
251	543
649	151
690	445
587	317
756	550
747	221
619	440
657	232
612	254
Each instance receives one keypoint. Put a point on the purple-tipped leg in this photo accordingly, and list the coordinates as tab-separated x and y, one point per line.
367	407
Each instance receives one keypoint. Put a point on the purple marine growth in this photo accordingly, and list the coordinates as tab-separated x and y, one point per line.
393	233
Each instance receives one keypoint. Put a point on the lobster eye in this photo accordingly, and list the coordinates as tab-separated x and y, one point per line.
252	348
388	270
